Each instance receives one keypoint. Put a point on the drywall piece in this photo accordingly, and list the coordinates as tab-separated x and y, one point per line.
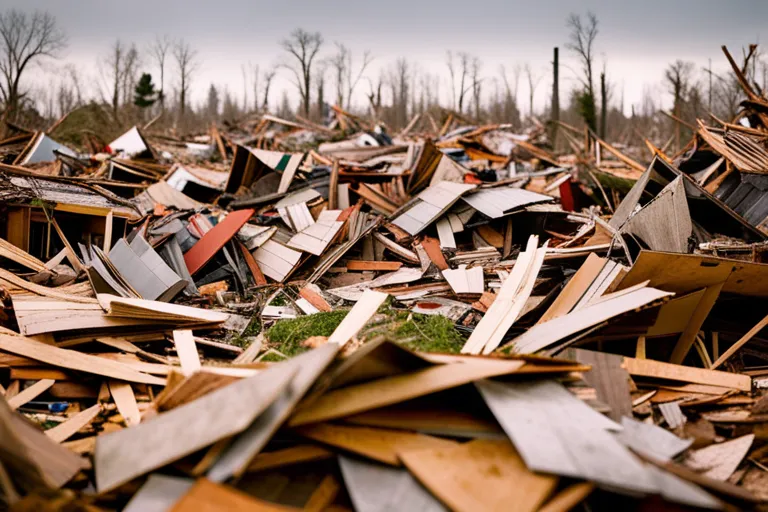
358	316
378	488
429	205
557	433
499	201
275	260
465	281
544	335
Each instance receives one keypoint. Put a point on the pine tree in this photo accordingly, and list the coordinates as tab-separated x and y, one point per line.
144	92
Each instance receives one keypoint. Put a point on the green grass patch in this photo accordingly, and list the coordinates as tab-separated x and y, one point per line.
429	333
286	335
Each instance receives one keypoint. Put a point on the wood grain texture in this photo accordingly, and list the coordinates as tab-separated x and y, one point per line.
480	475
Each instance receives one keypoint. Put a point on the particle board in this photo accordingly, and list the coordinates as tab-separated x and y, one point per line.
477	475
124	455
370	395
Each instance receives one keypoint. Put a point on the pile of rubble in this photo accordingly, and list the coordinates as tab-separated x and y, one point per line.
285	316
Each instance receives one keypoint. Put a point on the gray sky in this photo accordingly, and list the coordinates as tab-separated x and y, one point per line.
636	40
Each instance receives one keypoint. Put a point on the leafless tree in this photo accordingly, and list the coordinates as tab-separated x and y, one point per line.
129	73
24	39
534	79
510	111
582	44
320	72
159	51
186	62
344	75
374	96
254	72
304	47
459	72
678	78
115	63
476	85
398	83
269	75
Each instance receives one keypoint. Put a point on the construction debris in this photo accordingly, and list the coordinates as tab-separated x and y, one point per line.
460	319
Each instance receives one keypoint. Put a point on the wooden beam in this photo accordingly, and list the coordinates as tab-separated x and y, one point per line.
744	339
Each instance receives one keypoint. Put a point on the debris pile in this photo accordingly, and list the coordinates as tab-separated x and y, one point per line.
290	316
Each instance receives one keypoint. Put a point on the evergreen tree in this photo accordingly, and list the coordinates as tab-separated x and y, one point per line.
144	92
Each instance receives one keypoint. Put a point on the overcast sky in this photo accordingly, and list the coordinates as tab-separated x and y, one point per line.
636	40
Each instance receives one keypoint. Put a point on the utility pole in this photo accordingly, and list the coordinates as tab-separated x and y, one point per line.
555	114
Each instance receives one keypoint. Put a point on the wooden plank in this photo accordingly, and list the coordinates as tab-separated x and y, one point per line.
186	349
300	454
124	455
445	234
574	290
742	341
311	292
306	367
377	488
34	460
212	242
435	253
428	420
159	493
544	335
212	497
64	431
568	498
477	475
357	265
610	380
688	337
125	400
505	300
73	360
323	496
557	433
375	443
108	233
660	370
258	275
42	290
391	390
30	393
357	317
719	461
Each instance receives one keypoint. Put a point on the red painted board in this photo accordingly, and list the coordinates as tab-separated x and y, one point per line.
212	242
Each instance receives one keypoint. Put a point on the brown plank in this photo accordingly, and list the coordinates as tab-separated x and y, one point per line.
64	431
30	393
391	390
478	476
435	253
375	443
668	371
73	360
299	454
357	265
210	497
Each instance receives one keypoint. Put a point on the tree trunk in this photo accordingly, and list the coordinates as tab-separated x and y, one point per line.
603	106
555	114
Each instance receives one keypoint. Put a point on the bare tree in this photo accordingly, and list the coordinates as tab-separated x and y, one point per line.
186	62
678	77
269	75
254	70
476	86
320	81
159	51
24	39
345	77
510	111
398	82
115	63
129	72
374	96
459	78
534	80
304	47
582	43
